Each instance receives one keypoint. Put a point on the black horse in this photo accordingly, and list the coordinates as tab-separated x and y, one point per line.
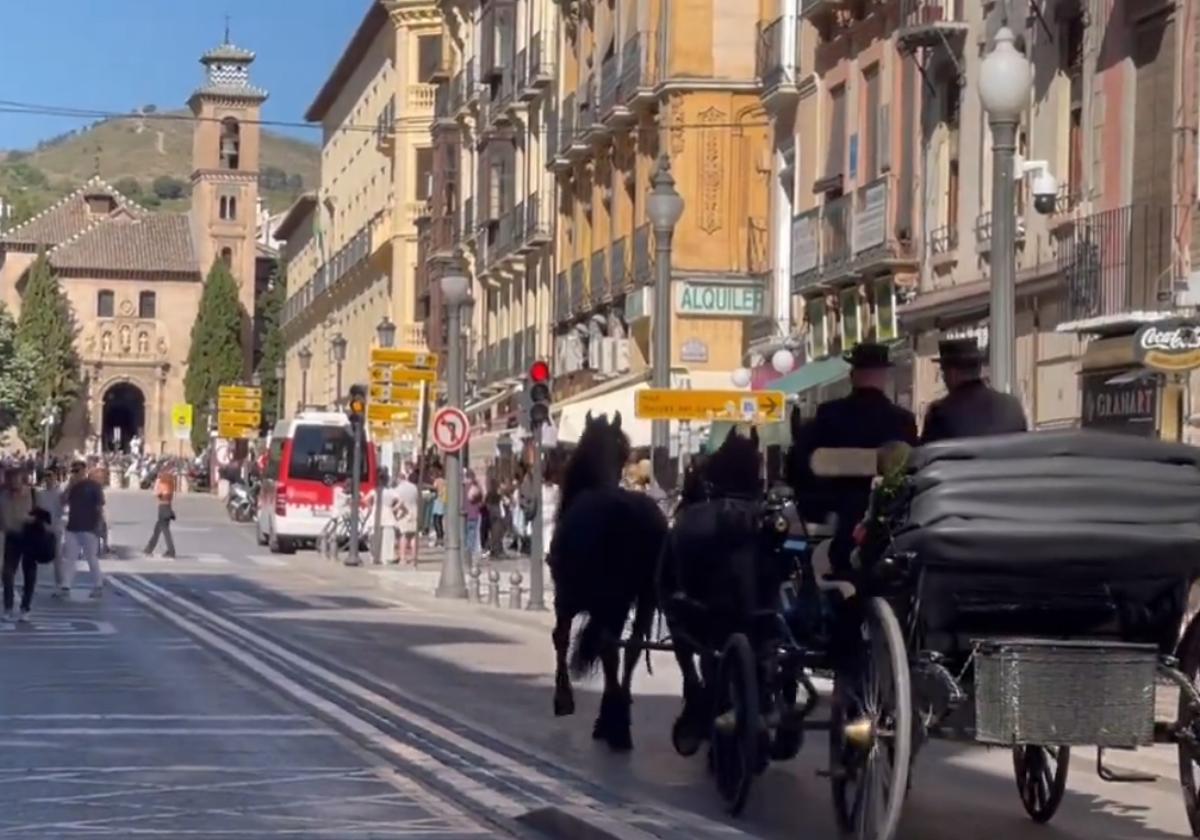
711	580
606	545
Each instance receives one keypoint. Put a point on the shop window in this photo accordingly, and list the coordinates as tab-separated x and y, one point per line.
885	309
851	318
816	316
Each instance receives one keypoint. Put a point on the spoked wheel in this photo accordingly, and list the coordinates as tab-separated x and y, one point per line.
870	736
1188	726
1041	778
736	728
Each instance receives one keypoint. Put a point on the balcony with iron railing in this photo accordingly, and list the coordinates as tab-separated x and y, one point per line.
598	290
441	237
776	66
562	298
613	110
522	91
443	105
825	12
471	86
638	72
578	297
540	70
931	24
1123	261
539	219
942	242
457	100
642	260
468	223
589	126
619	277
497	33
506	89
572	146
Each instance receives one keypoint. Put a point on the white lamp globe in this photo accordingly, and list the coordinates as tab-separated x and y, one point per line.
783	361
1005	78
740	377
456	288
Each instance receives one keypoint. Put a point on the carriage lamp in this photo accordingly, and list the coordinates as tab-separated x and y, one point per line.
385	331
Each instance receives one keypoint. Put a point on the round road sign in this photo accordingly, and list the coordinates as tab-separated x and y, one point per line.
451	429
224	453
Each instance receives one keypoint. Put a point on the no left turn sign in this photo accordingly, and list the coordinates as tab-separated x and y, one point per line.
451	430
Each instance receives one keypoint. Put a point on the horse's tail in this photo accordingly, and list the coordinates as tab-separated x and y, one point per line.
586	647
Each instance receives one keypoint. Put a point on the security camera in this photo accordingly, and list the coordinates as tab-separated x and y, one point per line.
1043	184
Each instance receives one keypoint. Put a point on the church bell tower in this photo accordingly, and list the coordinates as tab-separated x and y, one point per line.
225	165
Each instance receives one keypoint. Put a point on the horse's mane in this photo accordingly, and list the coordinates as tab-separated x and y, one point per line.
733	470
596	462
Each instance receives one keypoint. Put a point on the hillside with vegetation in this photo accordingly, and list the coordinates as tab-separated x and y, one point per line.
148	156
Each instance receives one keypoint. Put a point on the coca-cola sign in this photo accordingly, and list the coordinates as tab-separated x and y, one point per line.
1168	345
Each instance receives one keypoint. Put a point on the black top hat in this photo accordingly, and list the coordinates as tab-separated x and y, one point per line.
867	355
959	352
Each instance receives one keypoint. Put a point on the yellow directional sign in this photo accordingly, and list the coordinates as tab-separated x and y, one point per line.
225	403
740	406
242	391
379	412
237	432
181	420
408	358
395	394
239	418
384	374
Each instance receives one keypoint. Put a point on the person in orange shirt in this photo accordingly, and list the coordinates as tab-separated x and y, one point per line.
164	491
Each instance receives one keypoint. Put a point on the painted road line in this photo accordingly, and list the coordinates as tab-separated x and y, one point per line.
481	796
267	560
209	559
517	780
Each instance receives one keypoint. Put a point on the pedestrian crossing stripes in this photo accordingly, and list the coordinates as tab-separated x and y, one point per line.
266	561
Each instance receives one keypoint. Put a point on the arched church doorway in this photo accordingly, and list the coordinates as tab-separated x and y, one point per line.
124	415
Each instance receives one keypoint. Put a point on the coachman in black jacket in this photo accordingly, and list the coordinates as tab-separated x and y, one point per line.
970	408
866	418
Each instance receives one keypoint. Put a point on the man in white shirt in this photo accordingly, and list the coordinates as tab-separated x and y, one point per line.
407	508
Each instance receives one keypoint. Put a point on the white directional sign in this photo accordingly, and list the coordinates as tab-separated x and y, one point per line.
451	429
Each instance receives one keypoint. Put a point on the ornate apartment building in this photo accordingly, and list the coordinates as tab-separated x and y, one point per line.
351	245
883	161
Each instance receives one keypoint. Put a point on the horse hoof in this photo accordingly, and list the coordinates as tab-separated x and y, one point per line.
685	741
600	730
620	740
563	706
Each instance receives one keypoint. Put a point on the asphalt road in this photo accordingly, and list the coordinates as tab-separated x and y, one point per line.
234	693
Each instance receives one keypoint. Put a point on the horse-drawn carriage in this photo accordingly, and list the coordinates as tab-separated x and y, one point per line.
1022	591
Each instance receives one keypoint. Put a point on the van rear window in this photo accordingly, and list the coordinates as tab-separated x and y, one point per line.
320	453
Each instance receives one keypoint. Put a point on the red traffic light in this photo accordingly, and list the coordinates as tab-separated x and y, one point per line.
539	372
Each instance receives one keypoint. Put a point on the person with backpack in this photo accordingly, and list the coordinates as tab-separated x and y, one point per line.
28	540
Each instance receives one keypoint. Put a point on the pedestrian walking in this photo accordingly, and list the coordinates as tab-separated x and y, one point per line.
85	513
100	475
164	492
406	503
52	500
970	408
439	509
16	516
474	509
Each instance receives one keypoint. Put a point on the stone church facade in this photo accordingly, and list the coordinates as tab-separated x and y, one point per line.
134	278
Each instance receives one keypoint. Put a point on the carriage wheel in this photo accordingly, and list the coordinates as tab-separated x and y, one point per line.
870	736
736	728
1188	721
1041	778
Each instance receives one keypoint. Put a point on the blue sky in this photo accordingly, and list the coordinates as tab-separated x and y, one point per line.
120	54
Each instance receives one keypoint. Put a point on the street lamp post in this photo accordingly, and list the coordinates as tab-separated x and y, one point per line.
49	416
305	357
1005	79
339	357
664	207
456	293
386	333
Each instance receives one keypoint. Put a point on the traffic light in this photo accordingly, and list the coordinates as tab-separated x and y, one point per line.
539	394
356	405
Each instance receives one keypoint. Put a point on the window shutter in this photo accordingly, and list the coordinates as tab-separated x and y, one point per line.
883	141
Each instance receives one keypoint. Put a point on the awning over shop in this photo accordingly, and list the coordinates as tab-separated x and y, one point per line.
811	375
606	398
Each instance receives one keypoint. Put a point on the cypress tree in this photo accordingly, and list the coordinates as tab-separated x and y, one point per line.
16	371
215	357
270	315
46	332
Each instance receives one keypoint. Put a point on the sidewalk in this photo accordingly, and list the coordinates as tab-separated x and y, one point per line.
424	579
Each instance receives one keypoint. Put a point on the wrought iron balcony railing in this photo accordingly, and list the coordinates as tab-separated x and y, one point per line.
642	275
618	269
598	290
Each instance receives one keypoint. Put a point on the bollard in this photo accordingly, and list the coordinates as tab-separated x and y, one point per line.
514	591
473	586
493	588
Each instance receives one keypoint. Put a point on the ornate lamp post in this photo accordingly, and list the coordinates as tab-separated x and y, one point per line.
339	357
1005	80
386	333
305	357
664	206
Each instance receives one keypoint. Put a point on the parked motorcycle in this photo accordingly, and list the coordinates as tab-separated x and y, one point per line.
242	503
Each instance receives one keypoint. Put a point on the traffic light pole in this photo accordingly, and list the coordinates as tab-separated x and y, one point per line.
352	559
537	550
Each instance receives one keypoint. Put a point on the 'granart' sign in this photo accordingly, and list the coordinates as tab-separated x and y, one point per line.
1114	405
1168	345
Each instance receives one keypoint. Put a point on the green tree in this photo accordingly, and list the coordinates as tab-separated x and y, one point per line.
270	317
129	187
46	332
166	187
16	371
215	357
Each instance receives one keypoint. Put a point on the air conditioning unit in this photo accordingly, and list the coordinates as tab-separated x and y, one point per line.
614	356
595	360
